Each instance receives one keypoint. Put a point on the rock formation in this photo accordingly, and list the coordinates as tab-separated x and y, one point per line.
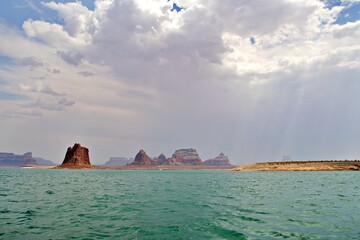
185	157
220	160
76	157
142	159
118	161
160	160
170	161
11	159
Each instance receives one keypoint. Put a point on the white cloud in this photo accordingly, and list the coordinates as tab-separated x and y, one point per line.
145	77
29	61
73	58
53	34
40	87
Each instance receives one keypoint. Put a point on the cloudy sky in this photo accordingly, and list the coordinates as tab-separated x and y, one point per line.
253	79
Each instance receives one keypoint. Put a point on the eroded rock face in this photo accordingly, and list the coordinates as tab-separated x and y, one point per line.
186	157
170	161
142	159
220	160
76	156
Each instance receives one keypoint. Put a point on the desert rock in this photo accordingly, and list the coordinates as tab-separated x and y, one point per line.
142	159
186	157
220	160
76	157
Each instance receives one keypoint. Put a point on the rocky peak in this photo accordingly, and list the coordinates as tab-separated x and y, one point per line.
142	159
76	156
221	160
222	157
161	159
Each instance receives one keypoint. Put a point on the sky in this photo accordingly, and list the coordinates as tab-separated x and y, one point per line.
253	79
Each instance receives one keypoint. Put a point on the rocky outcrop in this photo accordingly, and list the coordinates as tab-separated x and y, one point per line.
118	161
160	160
220	160
185	157
76	157
11	159
142	159
170	161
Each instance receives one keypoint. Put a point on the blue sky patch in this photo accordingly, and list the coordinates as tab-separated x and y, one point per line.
12	96
176	8
252	40
332	3
5	60
16	12
349	14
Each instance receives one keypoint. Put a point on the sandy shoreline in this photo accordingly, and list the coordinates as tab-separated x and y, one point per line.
302	166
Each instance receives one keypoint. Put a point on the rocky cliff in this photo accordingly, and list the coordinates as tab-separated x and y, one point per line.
220	160
185	157
142	159
76	157
11	159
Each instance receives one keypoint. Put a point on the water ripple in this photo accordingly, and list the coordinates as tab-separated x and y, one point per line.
40	204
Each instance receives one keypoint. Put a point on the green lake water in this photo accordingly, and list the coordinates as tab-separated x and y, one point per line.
106	204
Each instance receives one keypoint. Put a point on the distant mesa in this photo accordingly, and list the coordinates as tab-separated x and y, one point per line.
14	160
11	159
220	160
76	157
143	159
187	157
118	161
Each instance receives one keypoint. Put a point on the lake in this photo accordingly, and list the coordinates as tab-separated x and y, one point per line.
111	204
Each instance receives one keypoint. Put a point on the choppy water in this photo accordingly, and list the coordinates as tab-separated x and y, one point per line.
101	204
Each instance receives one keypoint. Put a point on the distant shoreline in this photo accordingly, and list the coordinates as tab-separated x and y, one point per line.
325	165
128	167
155	167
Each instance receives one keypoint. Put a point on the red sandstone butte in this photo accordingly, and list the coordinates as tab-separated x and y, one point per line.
76	157
142	159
